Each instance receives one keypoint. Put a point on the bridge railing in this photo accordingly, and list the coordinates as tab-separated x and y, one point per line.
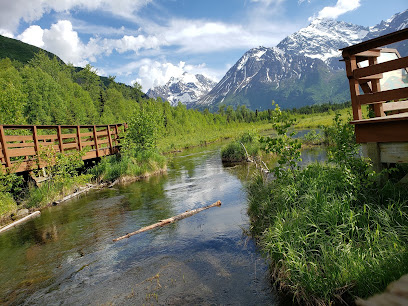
20	145
380	73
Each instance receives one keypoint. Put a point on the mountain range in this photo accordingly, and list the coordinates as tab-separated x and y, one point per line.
186	89
303	69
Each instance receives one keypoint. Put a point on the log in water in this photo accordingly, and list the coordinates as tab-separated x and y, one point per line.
168	221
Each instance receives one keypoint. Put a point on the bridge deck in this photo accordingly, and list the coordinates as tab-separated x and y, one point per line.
22	145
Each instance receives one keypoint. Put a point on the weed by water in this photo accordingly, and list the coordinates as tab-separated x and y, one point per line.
330	230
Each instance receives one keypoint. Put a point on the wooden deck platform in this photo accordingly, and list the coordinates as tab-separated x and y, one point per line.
378	77
20	145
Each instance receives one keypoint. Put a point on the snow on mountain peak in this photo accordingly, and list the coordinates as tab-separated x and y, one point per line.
323	38
187	88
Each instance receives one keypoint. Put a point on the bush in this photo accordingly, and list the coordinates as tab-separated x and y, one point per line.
331	230
235	151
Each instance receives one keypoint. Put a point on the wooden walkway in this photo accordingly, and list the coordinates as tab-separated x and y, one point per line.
20	145
378	78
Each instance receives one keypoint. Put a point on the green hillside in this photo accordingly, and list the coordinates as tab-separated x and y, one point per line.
17	50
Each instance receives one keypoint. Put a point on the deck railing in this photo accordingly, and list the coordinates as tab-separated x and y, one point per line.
20	145
378	77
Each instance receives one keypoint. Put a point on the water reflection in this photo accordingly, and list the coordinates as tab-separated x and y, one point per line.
67	255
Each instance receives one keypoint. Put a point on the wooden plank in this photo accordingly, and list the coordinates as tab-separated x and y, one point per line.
21	152
89	134
88	143
60	139
395	106
96	141
387	95
376	87
72	145
110	139
371	77
35	137
399	63
48	137
387	131
65	136
4	147
376	42
351	65
102	133
394	152
12	145
89	155
18	137
79	138
369	53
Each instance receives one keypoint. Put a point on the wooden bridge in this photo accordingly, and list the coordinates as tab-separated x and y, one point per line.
378	78
20	145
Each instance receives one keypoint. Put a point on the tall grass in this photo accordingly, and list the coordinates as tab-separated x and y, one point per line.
332	231
237	150
325	237
132	163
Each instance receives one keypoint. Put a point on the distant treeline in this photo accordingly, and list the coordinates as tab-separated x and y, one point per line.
320	108
45	91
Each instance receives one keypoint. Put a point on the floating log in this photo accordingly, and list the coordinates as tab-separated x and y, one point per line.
164	222
18	222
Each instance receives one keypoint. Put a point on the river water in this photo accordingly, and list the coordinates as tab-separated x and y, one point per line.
66	256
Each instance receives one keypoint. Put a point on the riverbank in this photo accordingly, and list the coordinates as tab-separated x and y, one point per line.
332	232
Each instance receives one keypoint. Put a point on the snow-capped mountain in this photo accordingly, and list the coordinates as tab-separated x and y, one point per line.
186	89
265	74
303	69
396	22
322	39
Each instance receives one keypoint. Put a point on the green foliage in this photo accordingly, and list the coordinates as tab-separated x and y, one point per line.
7	203
236	151
142	133
133	163
312	138
331	229
286	147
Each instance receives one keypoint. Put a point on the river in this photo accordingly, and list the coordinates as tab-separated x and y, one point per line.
66	256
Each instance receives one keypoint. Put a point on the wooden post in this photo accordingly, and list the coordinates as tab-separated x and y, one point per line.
110	140
117	135
4	146
375	85
36	145
96	141
60	138
351	65
79	138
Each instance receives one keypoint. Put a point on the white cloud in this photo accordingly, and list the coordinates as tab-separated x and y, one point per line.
150	73
341	7
62	40
12	11
6	33
33	36
202	36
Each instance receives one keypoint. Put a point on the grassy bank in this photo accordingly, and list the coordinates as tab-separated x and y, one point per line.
331	231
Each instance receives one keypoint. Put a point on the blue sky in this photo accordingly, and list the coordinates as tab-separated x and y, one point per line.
149	41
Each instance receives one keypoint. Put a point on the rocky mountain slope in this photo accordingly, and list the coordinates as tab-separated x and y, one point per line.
186	89
303	69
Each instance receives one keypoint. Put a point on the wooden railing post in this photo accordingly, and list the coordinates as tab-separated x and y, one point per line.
96	141
60	138
110	140
36	145
351	65
376	87
117	135
79	142
4	147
